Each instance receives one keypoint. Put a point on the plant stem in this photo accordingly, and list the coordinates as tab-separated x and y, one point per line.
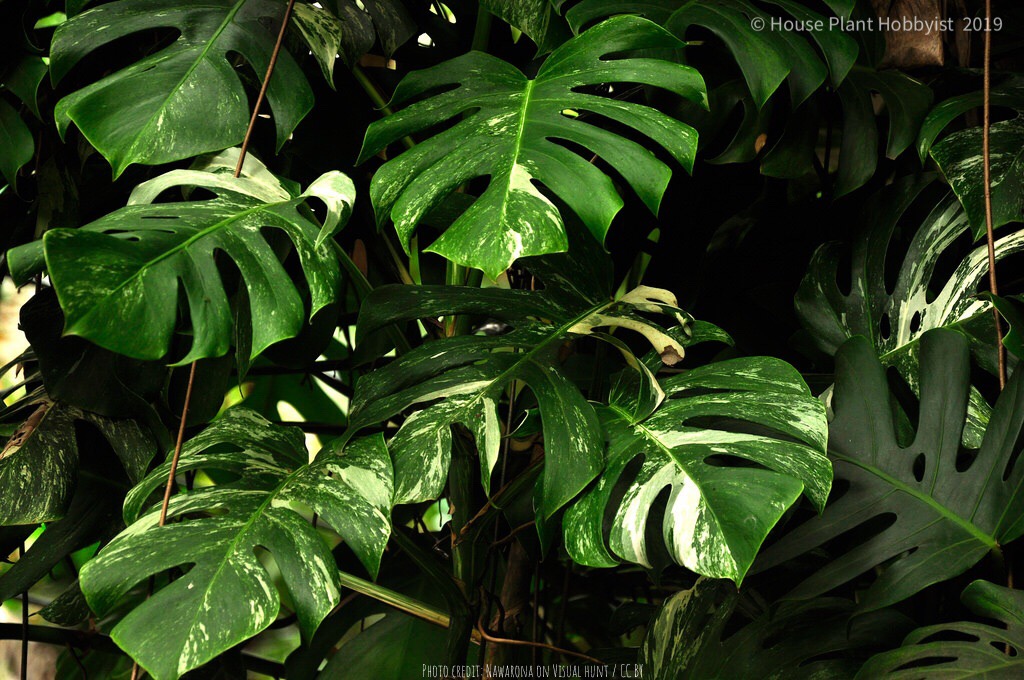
462	476
24	623
192	369
987	166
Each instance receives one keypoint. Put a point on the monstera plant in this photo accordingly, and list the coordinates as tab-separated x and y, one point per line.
504	338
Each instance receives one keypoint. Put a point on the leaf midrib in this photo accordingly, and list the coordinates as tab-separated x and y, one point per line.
232	547
228	19
175	250
926	499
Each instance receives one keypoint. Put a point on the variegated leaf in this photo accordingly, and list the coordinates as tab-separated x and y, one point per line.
507	129
895	320
468	375
226	594
718	513
118	278
960	158
185	99
39	465
535	18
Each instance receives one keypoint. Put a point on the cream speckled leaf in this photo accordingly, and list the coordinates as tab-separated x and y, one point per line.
227	595
39	465
185	99
960	158
935	510
467	376
507	129
895	320
718	514
535	18
323	32
118	278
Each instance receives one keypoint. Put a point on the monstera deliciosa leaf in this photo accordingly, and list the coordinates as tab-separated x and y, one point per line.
896	319
765	57
963	649
508	128
815	639
186	99
118	278
226	594
754	411
959	156
39	466
934	509
466	376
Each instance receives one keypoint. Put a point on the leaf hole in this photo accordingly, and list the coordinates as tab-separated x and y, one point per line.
884	327
915	322
1005	648
919	466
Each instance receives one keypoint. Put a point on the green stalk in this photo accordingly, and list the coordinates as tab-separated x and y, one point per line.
404	603
467	558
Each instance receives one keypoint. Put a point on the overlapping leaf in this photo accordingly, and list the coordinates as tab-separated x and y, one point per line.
39	465
719	512
510	129
765	57
118	278
348	29
934	510
896	319
959	156
536	18
467	375
815	639
185	99
963	649
227	595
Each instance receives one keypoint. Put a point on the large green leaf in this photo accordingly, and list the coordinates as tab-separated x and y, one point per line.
227	595
906	105
185	99
467	375
118	278
507	128
963	649
719	512
765	57
959	156
896	319
39	467
815	639
934	512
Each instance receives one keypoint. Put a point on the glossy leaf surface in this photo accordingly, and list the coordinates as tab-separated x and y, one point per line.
506	128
